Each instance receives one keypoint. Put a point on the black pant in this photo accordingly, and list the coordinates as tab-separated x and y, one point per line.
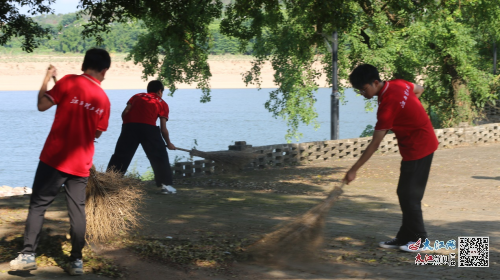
149	136
411	188
47	184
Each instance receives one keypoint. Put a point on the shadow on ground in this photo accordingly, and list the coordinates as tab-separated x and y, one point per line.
210	214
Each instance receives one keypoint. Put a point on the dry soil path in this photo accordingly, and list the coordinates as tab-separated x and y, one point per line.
461	200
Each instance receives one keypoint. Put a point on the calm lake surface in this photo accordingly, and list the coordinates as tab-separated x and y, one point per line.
232	115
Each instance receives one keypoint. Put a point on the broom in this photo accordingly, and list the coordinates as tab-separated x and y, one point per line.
112	205
229	159
298	239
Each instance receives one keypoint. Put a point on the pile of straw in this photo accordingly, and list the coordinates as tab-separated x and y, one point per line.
112	205
296	240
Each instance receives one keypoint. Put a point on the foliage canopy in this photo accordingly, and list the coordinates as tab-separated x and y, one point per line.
445	45
12	23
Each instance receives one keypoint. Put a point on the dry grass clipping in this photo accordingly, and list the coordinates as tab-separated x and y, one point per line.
112	205
297	240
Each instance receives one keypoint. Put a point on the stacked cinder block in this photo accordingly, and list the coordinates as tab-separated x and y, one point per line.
204	167
450	137
389	145
239	146
319	151
488	133
273	155
183	169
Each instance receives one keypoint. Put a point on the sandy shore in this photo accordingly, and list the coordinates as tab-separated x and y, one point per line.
26	72
13	191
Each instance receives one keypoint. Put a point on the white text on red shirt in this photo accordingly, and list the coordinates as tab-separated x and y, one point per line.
86	105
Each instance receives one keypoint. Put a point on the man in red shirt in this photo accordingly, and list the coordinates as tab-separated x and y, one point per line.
82	115
139	127
400	110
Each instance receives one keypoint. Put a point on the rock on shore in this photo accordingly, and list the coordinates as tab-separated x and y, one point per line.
12	191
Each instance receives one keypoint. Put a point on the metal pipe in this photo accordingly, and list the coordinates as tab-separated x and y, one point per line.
494	58
334	128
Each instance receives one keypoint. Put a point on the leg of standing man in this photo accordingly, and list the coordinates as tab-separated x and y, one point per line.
411	188
125	149
155	149
75	198
46	186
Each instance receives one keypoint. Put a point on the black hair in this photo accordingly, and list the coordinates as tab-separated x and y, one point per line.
362	75
155	86
96	59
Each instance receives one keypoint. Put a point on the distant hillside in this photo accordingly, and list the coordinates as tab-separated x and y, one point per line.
65	36
55	20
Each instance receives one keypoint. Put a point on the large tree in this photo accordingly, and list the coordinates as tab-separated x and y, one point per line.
445	45
15	24
175	47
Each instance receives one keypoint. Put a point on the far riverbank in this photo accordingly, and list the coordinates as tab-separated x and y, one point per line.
13	191
25	72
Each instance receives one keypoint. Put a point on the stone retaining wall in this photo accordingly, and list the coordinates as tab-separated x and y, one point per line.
312	152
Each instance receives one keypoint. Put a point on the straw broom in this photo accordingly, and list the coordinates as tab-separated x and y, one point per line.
230	160
112	205
298	239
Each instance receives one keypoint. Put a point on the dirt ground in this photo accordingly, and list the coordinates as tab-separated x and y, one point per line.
461	200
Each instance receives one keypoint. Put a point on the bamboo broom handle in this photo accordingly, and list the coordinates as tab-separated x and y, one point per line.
185	150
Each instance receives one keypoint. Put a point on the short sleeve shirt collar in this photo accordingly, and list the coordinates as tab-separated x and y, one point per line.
92	79
382	91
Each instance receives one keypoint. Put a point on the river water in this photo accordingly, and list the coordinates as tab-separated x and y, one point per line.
232	115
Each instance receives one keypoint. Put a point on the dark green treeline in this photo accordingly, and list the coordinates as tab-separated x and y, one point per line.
65	36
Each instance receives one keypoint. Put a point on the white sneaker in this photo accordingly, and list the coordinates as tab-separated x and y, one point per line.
75	267
392	244
412	247
167	189
23	262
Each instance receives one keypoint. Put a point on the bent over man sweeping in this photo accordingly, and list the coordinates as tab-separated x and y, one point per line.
139	127
400	110
82	115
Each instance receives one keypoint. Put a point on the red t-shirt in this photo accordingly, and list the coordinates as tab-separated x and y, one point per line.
146	108
400	110
82	108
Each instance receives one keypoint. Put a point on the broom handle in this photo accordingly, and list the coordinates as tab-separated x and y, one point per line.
185	150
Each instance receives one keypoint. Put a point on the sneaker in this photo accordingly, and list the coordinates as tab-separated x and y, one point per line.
167	189
413	246
75	267
392	244
23	262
